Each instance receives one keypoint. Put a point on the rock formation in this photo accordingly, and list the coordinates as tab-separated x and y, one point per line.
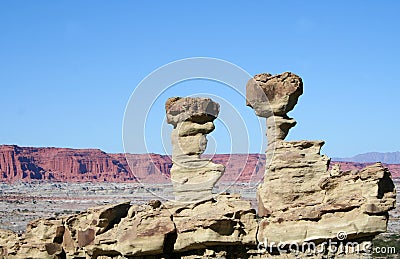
300	199
272	97
83	165
125	231
349	166
59	164
193	178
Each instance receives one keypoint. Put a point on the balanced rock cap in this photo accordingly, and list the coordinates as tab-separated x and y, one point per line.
194	109
273	94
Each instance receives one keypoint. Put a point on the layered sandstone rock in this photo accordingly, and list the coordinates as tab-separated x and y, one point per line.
193	177
146	230
348	166
65	236
225	220
301	199
125	231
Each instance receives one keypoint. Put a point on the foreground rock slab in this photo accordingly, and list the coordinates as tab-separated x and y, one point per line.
125	231
225	220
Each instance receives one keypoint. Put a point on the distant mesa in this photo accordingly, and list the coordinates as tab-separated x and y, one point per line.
93	165
372	157
61	164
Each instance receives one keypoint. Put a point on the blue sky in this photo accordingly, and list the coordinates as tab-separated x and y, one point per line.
68	68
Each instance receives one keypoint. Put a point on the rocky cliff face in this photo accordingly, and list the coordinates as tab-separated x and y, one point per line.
81	165
59	164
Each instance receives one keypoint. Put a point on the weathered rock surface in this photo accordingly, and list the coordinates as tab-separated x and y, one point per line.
122	231
54	238
198	110
7	240
222	221
272	97
147	230
348	166
301	199
193	177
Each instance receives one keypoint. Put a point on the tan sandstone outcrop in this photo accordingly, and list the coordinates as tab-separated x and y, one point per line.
193	177
225	220
301	200
125	231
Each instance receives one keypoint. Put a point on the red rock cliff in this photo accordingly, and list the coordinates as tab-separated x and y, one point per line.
60	164
80	165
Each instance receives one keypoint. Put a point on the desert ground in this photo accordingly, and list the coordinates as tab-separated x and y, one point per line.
23	202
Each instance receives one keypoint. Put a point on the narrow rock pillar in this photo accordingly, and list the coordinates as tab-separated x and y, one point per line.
193	177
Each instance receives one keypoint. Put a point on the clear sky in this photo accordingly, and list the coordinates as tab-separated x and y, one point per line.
67	68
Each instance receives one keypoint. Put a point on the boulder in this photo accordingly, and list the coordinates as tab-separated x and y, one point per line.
224	220
198	110
272	97
147	230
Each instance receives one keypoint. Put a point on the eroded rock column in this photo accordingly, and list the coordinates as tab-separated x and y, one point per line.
272	97
193	177
301	200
